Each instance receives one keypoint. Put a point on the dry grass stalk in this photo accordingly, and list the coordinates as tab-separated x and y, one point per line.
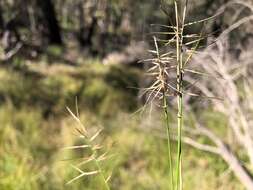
169	70
96	158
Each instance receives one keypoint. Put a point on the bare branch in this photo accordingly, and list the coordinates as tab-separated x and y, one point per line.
203	147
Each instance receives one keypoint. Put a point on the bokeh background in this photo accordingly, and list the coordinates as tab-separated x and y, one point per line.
58	53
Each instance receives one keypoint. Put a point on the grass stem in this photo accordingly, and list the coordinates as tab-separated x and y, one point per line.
166	115
179	55
97	164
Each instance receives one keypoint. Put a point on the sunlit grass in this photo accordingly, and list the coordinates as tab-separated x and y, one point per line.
31	155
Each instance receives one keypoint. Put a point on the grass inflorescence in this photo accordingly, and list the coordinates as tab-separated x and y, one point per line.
95	157
169	65
168	69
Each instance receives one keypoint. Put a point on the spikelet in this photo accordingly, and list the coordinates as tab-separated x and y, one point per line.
96	157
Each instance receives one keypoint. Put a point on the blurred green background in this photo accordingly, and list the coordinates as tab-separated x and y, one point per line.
56	52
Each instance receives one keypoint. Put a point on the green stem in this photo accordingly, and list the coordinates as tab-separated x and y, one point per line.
179	142
102	174
99	168
166	115
179	37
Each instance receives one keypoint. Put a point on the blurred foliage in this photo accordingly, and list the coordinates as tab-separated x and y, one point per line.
44	78
103	26
97	87
33	159
31	141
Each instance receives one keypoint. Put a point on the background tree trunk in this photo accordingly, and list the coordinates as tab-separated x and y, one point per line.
1	18
86	33
49	15
81	35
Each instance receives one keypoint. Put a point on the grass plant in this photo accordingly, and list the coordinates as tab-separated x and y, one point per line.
168	69
169	65
96	157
